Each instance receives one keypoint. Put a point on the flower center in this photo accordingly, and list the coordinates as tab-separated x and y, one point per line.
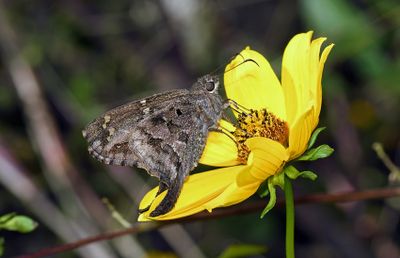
258	123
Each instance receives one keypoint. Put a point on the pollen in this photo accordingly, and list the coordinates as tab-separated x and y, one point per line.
258	123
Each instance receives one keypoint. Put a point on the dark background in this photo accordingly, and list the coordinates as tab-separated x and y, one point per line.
62	63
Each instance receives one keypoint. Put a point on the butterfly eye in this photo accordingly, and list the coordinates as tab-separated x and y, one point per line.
210	86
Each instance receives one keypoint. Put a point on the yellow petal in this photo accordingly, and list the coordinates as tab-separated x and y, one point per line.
266	159
300	74
220	150
233	194
322	61
253	84
300	133
292	105
197	191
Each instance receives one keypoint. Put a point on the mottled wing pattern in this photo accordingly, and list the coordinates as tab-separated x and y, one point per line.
164	134
109	135
171	138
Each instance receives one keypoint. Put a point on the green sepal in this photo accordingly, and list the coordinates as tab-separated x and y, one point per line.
278	179
320	152
272	198
314	136
243	250
262	190
292	173
19	223
308	174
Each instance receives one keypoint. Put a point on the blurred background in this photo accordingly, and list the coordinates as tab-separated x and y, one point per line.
63	63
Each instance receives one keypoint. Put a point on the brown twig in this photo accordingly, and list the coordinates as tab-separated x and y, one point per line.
394	175
218	213
308	199
138	228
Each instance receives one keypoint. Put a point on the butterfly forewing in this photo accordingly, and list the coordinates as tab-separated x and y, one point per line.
108	135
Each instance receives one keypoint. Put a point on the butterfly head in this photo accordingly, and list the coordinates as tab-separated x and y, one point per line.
207	83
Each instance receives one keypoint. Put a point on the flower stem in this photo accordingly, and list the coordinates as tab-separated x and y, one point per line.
289	244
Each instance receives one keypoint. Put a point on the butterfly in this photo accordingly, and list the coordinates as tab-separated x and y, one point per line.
164	134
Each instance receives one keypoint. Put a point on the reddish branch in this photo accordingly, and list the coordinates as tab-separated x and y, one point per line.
218	213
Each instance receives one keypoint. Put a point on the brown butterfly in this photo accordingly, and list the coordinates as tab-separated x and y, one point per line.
164	134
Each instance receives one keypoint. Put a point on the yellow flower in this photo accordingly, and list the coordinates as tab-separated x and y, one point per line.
275	122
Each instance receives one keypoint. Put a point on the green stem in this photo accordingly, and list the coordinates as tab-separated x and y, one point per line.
289	219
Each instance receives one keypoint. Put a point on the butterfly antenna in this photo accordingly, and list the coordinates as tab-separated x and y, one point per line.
244	61
219	68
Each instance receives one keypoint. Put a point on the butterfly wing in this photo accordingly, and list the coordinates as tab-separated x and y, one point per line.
163	134
109	135
170	143
171	140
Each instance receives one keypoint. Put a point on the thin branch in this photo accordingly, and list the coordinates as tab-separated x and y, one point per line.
394	175
136	229
307	199
223	212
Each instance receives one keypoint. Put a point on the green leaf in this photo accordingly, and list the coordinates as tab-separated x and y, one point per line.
6	217
314	136
293	173
243	250
320	152
1	246
263	191
19	223
272	198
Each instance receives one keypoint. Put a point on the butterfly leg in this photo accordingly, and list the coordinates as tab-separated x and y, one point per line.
161	188
170	199
144	209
